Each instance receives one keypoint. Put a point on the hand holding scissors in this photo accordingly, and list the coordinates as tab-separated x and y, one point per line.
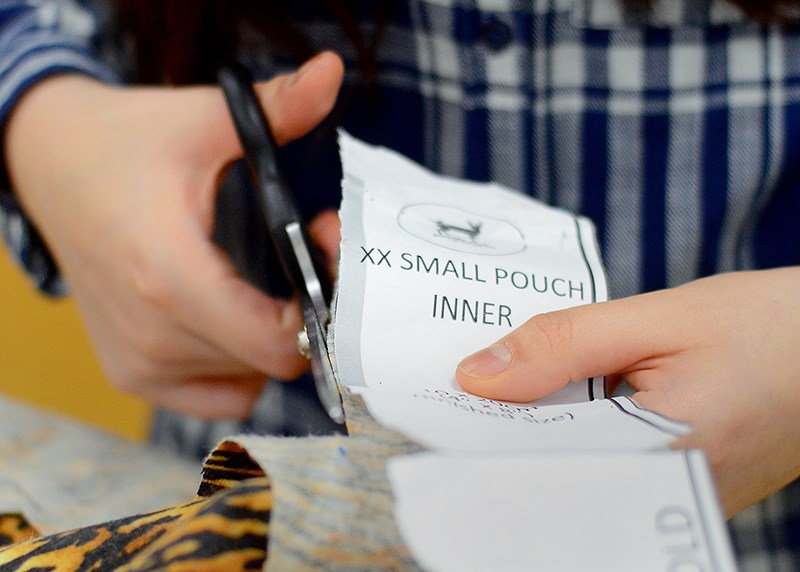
301	270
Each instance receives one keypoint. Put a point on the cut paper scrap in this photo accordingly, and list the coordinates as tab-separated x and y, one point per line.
620	512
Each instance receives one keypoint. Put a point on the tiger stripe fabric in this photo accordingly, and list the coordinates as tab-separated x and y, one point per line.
224	531
14	527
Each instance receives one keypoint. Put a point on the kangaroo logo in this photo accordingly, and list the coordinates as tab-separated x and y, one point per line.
456	229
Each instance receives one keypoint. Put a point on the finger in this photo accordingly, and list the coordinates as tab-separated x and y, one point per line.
254	328
178	354
207	397
325	231
553	349
294	104
197	285
275	351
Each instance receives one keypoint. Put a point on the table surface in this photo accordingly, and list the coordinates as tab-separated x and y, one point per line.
62	475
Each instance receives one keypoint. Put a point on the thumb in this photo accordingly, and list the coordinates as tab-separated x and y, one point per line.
297	103
294	104
325	230
551	350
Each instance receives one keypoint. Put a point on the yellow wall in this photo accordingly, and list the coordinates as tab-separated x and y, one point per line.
46	359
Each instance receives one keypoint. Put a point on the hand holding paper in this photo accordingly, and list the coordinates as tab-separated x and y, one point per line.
704	353
433	268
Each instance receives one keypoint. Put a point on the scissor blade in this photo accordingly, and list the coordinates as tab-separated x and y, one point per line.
316	316
311	280
321	367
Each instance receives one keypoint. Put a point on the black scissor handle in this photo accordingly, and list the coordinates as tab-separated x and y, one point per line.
273	193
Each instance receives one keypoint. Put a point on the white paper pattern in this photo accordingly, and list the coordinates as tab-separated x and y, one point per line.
506	513
433	269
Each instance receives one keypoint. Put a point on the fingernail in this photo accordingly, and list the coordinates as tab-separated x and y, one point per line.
488	362
305	69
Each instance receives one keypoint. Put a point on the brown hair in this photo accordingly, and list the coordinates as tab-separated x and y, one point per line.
187	41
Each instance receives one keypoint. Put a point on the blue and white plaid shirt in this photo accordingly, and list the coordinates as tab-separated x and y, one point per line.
675	130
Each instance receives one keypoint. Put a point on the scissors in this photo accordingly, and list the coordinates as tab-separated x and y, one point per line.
301	270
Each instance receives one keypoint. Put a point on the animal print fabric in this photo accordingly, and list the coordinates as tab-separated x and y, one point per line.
226	531
264	502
